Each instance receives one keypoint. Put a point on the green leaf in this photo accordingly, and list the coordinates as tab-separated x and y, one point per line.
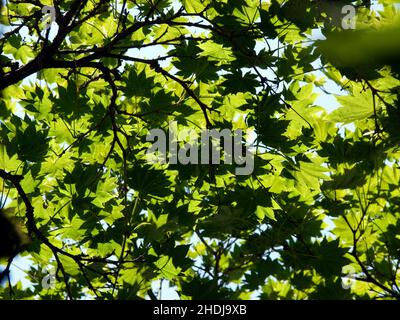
216	52
358	106
194	6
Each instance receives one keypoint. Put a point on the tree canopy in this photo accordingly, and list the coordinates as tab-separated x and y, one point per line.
83	82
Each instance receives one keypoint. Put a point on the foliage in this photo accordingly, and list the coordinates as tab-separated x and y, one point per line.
79	98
